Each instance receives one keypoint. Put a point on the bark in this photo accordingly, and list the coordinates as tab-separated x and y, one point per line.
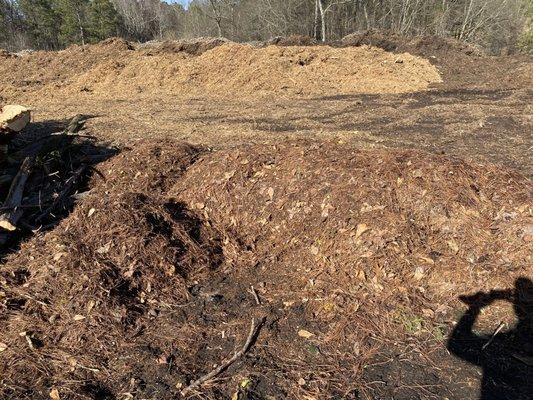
9	219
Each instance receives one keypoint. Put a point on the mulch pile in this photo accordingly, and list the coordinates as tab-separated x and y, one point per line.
462	65
426	46
147	284
114	68
84	306
389	220
195	47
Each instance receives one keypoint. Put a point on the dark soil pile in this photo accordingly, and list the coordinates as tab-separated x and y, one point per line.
147	284
426	46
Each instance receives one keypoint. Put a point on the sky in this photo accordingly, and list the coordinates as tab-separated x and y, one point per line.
183	2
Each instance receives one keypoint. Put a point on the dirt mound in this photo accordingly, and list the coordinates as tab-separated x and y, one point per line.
425	46
346	250
112	68
195	47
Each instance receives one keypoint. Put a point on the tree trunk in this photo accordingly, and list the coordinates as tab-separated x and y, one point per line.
82	32
322	20
315	26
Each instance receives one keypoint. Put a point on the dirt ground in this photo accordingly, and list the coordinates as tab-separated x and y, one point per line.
352	220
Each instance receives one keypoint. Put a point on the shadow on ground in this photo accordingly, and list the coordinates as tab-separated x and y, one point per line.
506	358
61	167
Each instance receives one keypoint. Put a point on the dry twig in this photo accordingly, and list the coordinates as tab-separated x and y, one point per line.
256	296
254	330
498	329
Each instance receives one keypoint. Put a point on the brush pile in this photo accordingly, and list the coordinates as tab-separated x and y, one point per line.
41	173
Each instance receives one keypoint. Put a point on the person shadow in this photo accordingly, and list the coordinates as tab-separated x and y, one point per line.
506	357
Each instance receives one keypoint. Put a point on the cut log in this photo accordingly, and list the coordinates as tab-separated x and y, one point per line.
9	219
14	118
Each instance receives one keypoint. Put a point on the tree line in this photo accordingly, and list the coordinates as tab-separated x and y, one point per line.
55	24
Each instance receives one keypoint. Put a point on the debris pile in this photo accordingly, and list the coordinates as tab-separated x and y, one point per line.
154	277
40	175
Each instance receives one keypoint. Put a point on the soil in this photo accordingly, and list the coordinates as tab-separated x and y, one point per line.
352	220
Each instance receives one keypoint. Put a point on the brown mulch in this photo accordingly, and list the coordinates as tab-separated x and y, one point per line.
146	285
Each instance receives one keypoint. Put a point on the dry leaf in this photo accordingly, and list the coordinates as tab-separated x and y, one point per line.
91	212
361	275
305	334
57	256
90	305
270	193
419	273
3	346
314	250
54	394
427	259
229	175
78	317
361	228
453	246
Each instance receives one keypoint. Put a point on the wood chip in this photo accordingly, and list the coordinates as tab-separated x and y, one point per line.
305	334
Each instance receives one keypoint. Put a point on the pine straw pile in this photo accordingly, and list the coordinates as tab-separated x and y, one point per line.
147	284
115	68
80	306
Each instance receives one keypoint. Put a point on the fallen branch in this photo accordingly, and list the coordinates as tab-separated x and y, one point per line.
254	330
8	220
498	329
256	296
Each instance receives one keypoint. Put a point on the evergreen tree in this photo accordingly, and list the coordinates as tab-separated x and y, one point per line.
42	21
104	20
74	24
